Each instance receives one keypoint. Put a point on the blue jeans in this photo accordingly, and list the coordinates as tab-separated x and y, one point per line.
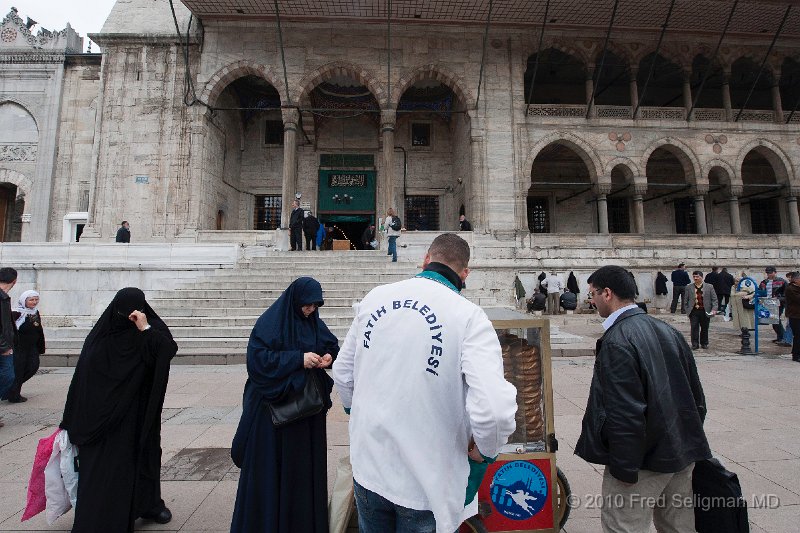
393	248
376	514
6	374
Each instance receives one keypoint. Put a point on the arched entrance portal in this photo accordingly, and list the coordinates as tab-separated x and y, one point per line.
245	162
11	209
761	207
560	183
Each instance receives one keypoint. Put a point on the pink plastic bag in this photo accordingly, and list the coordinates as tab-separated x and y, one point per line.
37	501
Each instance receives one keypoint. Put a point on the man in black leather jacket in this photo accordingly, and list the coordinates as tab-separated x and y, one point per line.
644	417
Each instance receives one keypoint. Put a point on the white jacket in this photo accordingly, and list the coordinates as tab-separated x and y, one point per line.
388	229
422	369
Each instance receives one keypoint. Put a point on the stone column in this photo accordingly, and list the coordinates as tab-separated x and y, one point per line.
687	91
386	180
777	105
700	212
794	216
290	120
726	94
638	206
634	90
590	89
603	188
736	221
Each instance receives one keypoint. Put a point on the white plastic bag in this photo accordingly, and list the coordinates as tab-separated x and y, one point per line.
69	452
57	496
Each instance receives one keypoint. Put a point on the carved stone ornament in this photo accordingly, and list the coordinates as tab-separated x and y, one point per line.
13	26
619	139
22	153
717	141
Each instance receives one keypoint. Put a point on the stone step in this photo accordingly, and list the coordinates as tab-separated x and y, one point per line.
284	278
268	284
213	292
185	306
187	344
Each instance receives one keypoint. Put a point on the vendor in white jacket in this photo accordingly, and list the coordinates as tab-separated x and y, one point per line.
421	369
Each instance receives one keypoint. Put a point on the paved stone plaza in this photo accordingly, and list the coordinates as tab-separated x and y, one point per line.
753	424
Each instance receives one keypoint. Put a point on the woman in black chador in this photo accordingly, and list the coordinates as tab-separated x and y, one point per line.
113	415
283	483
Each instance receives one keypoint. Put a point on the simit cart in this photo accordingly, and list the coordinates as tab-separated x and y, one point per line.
523	490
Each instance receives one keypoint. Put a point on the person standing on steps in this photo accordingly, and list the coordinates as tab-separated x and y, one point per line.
296	227
680	279
310	228
124	232
393	228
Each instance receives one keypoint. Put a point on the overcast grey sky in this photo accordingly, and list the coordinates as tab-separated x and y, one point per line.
85	16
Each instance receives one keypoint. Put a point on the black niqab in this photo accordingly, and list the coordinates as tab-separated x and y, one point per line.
112	368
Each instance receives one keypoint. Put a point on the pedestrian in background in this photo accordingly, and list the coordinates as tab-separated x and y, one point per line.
310	228
296	227
124	232
680	279
29	344
723	288
553	285
8	332
700	303
773	287
463	224
393	228
792	294
644	416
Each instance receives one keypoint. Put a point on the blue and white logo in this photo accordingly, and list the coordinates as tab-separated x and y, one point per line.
519	490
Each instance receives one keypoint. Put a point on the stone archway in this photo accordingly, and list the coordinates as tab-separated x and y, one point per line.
220	80
14	187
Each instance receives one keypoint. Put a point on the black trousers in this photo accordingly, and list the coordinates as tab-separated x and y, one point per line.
677	291
296	238
311	242
699	321
795	324
724	300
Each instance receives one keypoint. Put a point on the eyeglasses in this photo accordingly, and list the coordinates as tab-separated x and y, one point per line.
595	292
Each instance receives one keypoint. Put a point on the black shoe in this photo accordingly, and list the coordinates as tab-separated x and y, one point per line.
796	359
776	341
704	346
695	346
159	517
18	399
784	344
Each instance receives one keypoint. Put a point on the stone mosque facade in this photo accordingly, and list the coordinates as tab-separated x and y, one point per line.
649	131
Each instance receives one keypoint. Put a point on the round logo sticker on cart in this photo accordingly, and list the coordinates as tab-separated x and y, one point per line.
519	490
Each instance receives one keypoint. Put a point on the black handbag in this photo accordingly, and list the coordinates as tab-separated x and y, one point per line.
298	404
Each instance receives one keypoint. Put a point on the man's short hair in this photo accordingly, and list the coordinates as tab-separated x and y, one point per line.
7	275
770	269
681	265
697	273
615	278
123	222
450	249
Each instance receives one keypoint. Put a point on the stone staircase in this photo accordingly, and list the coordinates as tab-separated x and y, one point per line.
211	317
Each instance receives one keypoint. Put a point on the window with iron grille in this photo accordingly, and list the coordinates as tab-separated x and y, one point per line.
420	134
422	213
273	132
538	214
685	219
619	220
267	212
765	216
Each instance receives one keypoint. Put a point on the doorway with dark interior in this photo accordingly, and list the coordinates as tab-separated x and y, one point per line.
348	227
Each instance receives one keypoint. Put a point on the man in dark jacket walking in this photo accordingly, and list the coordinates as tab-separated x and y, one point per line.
8	331
644	417
773	287
723	288
296	227
680	279
124	232
310	228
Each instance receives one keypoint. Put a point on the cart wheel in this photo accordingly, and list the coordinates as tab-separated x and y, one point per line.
472	524
563	493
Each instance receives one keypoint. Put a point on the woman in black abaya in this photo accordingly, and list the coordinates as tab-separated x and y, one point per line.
283	483
113	415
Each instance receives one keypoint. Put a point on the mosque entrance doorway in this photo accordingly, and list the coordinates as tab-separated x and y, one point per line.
346	202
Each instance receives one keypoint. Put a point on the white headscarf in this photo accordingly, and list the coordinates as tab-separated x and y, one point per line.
22	309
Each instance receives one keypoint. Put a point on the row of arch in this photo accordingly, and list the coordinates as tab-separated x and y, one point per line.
694	170
300	92
560	78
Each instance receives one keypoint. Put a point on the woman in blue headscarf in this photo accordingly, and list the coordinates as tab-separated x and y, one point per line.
283	482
